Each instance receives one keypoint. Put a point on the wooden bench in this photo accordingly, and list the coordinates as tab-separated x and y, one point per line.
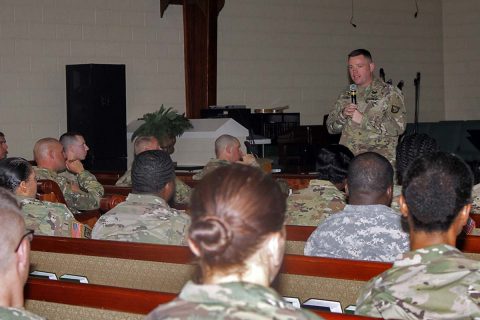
61	300
150	267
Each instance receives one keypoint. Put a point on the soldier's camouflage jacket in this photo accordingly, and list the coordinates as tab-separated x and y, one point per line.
51	219
91	191
233	301
182	190
384	119
143	218
17	314
360	232
436	282
312	205
209	167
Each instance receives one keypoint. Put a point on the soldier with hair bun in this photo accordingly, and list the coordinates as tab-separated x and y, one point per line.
238	236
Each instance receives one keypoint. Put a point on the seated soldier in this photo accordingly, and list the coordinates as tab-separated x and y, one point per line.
3	146
46	218
85	194
75	149
324	195
145	143
145	216
434	280
14	259
227	151
367	228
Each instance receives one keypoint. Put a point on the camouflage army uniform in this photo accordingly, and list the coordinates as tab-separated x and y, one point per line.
143	218
233	301
360	232
384	119
312	205
209	167
52	219
436	282
17	314
476	199
182	190
86	199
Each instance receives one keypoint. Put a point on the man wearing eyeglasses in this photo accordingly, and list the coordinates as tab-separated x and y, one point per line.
14	259
3	146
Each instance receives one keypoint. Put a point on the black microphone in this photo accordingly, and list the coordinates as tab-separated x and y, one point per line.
353	93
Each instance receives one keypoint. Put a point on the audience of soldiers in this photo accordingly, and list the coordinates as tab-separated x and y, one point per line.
367	228
427	215
145	215
46	218
145	143
82	193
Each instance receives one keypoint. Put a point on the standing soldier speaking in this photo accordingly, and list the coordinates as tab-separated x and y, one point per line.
370	114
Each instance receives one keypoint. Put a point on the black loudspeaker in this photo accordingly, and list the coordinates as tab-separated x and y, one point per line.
96	108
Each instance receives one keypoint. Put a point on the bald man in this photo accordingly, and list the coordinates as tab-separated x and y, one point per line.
145	143
14	259
227	150
85	194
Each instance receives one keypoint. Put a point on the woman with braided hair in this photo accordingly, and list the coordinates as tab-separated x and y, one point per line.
238	235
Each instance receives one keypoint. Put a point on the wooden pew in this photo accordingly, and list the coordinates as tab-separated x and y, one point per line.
60	300
150	267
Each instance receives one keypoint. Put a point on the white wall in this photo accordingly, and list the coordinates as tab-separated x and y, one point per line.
461	28
284	52
270	53
39	37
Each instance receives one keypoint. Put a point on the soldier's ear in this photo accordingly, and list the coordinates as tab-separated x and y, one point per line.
403	206
193	247
372	66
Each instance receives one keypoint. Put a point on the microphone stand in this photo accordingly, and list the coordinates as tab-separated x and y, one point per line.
416	82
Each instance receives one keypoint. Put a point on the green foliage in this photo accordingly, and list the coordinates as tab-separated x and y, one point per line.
163	123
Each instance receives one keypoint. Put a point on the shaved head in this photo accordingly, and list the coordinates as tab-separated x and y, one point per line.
48	153
145	143
12	227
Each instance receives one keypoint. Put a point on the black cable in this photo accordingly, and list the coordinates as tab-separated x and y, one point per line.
351	18
416	6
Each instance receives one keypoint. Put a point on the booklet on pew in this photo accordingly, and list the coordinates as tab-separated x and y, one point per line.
43	275
317	304
74	278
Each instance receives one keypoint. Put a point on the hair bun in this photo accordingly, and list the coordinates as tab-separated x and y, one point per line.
211	235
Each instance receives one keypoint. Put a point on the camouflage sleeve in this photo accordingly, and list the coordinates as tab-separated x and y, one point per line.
388	117
336	120
182	192
88	197
125	180
365	306
209	167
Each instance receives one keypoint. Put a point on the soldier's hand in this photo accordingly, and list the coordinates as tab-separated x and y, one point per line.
74	166
248	159
357	117
75	187
349	110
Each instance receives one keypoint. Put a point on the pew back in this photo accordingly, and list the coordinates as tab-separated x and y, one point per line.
167	268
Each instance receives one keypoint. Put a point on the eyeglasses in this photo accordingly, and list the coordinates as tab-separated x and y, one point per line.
28	235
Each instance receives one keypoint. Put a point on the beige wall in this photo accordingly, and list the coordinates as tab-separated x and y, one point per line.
282	52
461	34
39	37
270	53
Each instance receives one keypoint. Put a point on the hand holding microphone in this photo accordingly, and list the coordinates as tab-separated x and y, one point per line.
351	110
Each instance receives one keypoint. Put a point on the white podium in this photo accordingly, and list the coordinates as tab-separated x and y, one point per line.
197	145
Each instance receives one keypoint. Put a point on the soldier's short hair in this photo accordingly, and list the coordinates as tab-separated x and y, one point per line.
11	227
223	141
1	134
360	52
436	187
13	171
69	138
233	209
333	162
369	173
142	142
151	171
410	147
